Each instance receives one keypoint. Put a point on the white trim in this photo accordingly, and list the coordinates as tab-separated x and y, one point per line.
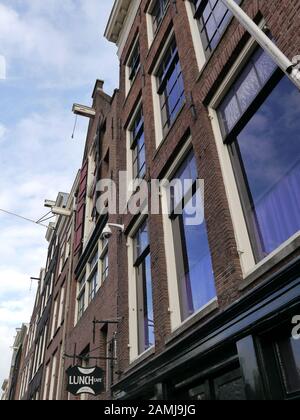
195	32
128	82
132	293
237	215
132	302
173	290
159	134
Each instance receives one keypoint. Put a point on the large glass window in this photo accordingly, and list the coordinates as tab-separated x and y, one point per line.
213	17
144	289
138	146
171	89
261	122
194	265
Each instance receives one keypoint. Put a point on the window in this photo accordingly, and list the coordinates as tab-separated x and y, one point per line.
138	146
93	278
55	316
53	377
61	306
104	261
171	89
134	62
213	17
281	357
93	286
195	275
142	263
288	353
260	118
81	297
157	12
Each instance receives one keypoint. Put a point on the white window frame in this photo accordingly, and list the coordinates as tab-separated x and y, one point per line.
247	259
133	345
54	316
196	37
158	125
129	83
173	287
149	19
53	376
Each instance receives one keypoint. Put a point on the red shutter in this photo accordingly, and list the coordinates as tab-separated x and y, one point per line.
80	211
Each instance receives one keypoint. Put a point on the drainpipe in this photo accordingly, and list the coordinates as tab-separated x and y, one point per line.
288	67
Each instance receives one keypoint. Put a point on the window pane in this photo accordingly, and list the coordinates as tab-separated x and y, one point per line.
148	304
171	89
214	20
142	239
199	277
245	89
289	355
230	112
270	152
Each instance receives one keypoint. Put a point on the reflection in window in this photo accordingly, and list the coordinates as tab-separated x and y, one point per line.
171	89
193	259
213	17
105	267
266	154
288	351
134	62
144	289
93	286
138	146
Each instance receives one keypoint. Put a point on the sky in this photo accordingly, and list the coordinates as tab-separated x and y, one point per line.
53	52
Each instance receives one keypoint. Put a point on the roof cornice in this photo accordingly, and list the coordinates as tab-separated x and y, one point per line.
116	20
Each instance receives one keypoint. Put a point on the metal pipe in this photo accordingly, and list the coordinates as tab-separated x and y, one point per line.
265	42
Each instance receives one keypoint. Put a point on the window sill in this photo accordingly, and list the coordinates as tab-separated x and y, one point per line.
142	357
127	95
165	137
271	261
212	306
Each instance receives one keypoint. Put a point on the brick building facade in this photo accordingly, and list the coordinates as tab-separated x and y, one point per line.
170	310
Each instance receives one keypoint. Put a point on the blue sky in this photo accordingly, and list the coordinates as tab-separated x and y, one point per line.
54	51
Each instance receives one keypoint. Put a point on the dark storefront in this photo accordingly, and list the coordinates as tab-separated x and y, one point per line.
246	352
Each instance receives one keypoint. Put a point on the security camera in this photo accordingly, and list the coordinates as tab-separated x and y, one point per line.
106	233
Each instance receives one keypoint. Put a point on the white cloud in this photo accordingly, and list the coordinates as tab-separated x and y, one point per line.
3	131
58	43
54	51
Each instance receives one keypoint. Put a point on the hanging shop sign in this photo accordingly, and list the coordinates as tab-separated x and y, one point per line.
85	380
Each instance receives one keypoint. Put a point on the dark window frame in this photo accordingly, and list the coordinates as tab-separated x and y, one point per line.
167	67
137	132
134	62
162	7
199	8
140	257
